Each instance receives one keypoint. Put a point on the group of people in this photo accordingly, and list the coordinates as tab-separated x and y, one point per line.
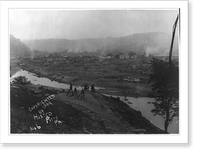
86	87
74	92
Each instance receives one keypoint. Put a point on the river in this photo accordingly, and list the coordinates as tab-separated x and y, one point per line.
34	79
140	103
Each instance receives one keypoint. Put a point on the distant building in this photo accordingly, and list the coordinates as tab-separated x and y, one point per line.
136	80
126	56
101	58
109	56
120	56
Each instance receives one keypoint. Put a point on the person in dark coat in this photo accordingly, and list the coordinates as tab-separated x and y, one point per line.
92	88
75	93
86	87
70	89
82	94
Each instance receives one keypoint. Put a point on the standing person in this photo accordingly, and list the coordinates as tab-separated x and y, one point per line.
75	93
92	88
86	87
82	94
125	97
70	89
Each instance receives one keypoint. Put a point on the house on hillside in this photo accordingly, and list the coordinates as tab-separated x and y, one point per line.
126	56
101	58
120	56
136	80
109	56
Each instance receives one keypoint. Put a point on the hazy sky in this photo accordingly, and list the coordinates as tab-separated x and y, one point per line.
78	24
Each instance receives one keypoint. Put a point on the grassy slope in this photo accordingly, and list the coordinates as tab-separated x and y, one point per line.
96	114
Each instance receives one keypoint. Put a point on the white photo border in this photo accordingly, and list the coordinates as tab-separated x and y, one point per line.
6	137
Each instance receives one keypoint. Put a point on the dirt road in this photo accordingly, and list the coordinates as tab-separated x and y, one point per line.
96	114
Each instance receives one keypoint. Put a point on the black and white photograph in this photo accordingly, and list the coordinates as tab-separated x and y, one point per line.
94	72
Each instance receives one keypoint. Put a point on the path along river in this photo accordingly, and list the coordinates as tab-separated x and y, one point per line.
140	103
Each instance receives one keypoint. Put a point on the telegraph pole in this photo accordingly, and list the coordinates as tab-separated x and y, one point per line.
172	42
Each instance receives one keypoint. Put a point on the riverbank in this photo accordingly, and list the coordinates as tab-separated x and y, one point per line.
131	89
97	114
43	86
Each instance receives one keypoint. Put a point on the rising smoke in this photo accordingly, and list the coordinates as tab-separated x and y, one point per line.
153	51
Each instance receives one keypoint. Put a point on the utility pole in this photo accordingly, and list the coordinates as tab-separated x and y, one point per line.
172	42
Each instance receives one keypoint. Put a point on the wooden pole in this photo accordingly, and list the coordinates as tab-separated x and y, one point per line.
172	42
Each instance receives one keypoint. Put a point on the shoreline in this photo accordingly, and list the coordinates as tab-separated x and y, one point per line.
112	93
117	91
93	109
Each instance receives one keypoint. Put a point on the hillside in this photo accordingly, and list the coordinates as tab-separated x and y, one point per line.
18	49
97	114
150	43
